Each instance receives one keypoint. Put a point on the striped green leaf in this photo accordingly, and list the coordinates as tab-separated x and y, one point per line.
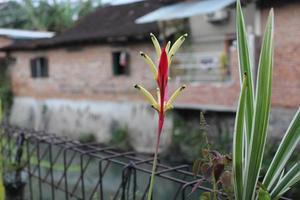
1	111
290	179
238	143
2	189
261	112
286	148
245	66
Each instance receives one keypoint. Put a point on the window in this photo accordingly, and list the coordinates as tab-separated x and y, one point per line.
120	63
39	67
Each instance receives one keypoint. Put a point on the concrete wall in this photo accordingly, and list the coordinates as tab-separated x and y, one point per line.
75	118
86	74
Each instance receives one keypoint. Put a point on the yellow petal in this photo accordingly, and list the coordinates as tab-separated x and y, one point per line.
150	63
156	45
158	95
173	97
177	45
148	96
168	46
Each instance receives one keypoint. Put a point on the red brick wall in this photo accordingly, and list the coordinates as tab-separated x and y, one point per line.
214	95
286	81
87	74
4	41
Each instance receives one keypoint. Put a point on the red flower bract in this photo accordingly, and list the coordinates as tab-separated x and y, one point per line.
162	82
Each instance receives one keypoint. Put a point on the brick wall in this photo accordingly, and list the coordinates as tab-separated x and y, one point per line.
87	74
80	74
4	41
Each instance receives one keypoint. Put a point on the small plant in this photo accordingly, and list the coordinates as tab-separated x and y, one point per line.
120	138
87	137
216	169
14	175
251	126
2	189
163	103
187	141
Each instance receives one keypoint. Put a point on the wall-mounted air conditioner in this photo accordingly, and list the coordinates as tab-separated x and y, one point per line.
217	16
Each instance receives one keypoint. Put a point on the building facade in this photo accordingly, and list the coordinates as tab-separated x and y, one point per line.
82	81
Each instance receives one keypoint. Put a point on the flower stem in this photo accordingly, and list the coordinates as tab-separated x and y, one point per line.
152	177
150	191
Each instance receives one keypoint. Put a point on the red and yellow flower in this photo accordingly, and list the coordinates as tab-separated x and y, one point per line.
161	76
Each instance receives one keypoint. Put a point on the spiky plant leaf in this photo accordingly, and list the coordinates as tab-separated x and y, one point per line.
261	112
245	66
288	180
284	152
2	189
238	147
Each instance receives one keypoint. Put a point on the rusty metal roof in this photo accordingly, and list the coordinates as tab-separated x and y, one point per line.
184	10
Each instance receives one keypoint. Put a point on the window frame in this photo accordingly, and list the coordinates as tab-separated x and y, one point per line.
116	66
39	67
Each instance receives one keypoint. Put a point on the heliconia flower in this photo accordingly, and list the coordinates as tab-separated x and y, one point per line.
161	76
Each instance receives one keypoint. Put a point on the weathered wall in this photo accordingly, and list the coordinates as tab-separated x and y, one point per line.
87	74
84	73
75	118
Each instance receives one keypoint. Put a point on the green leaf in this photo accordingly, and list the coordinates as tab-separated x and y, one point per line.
263	194
238	144
288	180
261	112
1	112
284	152
205	196
2	190
245	66
196	167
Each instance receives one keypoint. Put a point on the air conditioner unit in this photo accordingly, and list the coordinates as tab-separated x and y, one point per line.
217	16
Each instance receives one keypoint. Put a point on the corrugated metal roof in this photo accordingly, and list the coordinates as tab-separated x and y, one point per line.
184	10
24	34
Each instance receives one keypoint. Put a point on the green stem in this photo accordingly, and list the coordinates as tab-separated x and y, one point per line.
214	188
150	191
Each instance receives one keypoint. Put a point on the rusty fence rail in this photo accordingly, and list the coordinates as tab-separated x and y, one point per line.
60	168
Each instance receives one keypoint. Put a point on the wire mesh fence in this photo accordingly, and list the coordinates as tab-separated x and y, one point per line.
52	167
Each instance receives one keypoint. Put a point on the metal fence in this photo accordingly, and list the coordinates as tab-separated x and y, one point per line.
60	168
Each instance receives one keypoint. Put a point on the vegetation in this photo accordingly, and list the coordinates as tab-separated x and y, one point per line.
87	137
252	125
187	141
120	139
45	15
2	189
5	88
